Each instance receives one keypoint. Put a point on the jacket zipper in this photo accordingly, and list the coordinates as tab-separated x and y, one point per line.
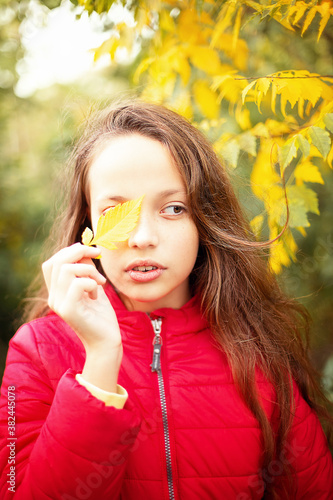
156	367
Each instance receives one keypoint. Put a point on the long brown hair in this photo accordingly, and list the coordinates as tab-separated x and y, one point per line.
253	322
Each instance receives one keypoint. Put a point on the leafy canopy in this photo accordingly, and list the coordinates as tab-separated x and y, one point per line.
196	58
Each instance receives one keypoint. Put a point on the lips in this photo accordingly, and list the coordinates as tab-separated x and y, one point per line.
144	271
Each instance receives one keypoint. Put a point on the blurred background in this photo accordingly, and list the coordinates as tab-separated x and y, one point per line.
48	84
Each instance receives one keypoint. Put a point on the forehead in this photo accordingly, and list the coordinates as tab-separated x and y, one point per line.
132	165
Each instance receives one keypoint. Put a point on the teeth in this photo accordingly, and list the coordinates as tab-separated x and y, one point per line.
144	268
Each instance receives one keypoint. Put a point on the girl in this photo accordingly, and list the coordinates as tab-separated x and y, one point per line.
174	367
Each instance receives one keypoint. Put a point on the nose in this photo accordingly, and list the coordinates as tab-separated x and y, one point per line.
145	234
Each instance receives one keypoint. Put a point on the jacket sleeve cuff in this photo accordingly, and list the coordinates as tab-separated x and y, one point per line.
117	400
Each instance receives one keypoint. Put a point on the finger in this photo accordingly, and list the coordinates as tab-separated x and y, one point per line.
64	274
74	253
81	271
93	295
67	307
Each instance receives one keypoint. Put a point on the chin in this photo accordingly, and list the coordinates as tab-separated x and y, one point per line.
145	298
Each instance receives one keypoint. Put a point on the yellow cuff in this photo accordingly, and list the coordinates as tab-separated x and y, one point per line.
116	399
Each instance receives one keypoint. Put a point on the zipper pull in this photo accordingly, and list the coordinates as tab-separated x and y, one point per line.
156	364
157	343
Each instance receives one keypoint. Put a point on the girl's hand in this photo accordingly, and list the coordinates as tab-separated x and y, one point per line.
76	294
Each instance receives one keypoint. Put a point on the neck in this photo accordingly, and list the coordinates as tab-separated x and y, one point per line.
172	300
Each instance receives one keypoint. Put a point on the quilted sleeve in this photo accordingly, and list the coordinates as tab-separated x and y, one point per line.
308	455
65	444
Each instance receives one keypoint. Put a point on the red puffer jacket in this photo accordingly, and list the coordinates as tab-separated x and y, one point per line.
184	433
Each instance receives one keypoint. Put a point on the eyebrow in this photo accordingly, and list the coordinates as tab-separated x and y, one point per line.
162	194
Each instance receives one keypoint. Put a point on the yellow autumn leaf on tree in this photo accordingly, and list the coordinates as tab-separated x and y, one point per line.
294	87
114	225
206	99
262	87
296	12
256	224
200	58
309	18
189	28
283	251
307	172
108	47
206	59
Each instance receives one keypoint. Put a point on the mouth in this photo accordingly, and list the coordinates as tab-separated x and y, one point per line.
144	271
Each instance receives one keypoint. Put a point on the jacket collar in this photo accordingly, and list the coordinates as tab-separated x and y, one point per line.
188	318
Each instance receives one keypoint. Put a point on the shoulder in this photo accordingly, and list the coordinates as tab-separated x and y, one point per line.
49	344
47	329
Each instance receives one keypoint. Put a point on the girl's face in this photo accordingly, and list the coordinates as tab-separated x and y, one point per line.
151	269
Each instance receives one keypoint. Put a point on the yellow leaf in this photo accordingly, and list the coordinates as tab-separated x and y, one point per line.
299	10
239	55
229	150
236	29
142	68
261	90
246	90
264	179
189	28
219	81
261	130
256	224
108	47
324	10
309	18
273	100
182	105
87	236
229	88
242	117
224	20
263	85
255	6
307	172
181	65
166	21
301	230
206	59
158	91
206	99
114	225
282	251
203	16
287	153
300	107
296	87
276	128
278	256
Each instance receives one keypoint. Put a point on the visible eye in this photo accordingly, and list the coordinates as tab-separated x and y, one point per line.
174	210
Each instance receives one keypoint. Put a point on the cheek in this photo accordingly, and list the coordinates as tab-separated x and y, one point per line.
109	262
193	234
188	241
